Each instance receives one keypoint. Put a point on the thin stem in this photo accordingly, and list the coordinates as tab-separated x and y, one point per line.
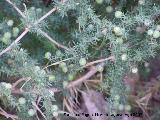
56	63
37	103
53	41
92	72
46	15
18	10
15	42
20	91
36	106
19	81
7	115
99	61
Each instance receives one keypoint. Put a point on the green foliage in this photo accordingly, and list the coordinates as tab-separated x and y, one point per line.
89	32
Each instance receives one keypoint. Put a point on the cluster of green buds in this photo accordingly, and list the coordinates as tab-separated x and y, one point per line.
119	14
21	100
48	55
121	107
7	86
63	66
6	39
99	1
51	78
118	31
154	33
31	112
55	111
82	61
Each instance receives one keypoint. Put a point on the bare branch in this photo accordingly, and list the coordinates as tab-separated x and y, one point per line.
99	61
17	9
57	63
46	15
19	81
36	106
92	72
7	115
53	41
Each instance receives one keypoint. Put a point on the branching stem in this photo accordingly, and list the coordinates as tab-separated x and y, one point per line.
7	115
27	29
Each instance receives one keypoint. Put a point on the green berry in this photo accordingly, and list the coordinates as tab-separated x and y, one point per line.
146	64
48	55
8	86
100	68
127	107
150	32
156	34
117	31
134	70
58	53
22	100
65	83
52	78
147	22
70	77
32	8
158	27
119	40
31	112
141	2
10	23
62	64
54	108
5	40
121	107
82	61
99	1
15	31
124	57
55	114
116	97
90	27
65	69
104	31
37	68
39	10
7	35
109	9
118	14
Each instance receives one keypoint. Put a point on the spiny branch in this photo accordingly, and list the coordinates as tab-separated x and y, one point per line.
53	41
46	15
27	29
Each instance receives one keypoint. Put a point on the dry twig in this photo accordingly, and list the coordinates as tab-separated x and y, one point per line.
7	115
